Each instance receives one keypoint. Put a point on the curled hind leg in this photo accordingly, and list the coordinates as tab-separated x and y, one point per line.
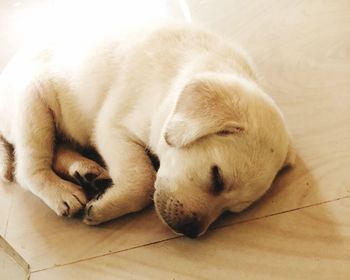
34	145
6	161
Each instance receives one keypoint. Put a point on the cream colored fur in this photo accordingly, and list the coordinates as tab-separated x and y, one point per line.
186	94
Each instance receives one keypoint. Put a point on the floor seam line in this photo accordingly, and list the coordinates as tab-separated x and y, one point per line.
106	254
282	212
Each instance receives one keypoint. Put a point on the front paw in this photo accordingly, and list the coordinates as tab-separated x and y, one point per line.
93	213
69	202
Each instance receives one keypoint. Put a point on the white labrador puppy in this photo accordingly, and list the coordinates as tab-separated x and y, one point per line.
181	92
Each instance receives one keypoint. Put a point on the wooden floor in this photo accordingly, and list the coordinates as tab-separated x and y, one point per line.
299	230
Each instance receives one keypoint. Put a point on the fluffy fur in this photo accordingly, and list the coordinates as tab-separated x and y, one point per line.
184	93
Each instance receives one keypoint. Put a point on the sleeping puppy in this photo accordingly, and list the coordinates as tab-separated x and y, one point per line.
178	91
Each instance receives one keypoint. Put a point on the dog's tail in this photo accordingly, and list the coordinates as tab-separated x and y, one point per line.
6	160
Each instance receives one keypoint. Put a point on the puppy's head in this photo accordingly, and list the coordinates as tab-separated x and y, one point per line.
221	148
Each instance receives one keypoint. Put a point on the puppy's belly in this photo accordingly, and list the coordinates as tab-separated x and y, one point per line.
79	136
76	113
76	128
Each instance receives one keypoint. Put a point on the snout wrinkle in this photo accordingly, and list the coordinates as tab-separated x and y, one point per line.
174	214
170	209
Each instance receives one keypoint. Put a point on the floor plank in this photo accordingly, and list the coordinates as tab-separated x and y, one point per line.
313	243
46	240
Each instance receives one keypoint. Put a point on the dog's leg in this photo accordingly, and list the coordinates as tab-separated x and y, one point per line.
73	166
132	173
34	146
6	161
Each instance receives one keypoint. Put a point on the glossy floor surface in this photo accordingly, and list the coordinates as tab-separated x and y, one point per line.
299	230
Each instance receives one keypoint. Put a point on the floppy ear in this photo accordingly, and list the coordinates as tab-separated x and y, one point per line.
203	107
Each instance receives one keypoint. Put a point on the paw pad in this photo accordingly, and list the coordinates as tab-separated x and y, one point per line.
93	184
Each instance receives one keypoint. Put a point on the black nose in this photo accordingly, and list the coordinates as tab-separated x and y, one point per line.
190	229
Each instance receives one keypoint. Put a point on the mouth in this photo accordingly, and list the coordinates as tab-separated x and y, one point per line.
173	213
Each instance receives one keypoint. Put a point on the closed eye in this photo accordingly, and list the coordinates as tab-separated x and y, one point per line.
224	133
217	181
